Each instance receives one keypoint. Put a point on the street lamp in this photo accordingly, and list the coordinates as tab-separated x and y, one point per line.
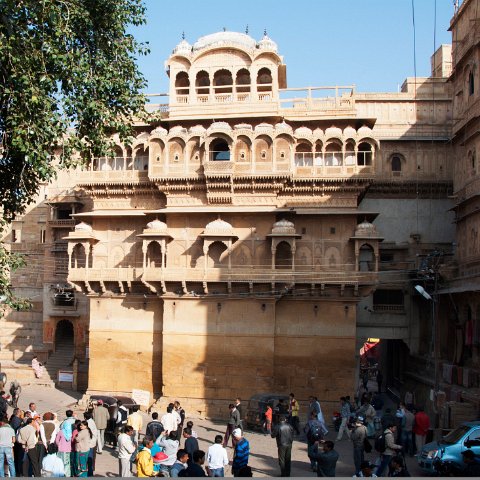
435	329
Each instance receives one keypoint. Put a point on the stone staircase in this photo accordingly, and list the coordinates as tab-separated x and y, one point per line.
21	371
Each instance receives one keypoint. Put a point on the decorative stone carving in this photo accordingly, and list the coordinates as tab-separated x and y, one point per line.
156	226
218	227
283	227
83	227
266	43
220	39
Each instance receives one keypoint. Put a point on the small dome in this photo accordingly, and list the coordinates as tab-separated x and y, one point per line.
333	132
243	126
183	48
157	226
83	227
349	132
219	227
283	127
178	130
197	130
219	126
303	132
366	229
264	127
283	227
266	43
225	39
159	131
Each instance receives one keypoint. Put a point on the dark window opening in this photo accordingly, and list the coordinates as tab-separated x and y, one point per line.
388	297
219	151
396	164
471	84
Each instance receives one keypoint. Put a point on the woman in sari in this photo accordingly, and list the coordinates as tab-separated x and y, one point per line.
38	368
82	448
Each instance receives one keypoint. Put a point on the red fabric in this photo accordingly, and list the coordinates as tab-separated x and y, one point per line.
422	424
268	414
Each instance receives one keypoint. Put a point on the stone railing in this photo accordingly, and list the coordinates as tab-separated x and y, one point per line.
218	168
250	274
114	176
64	223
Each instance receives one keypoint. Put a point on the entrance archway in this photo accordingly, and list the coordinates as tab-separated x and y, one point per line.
64	335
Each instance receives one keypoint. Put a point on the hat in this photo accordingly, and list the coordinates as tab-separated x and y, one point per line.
99	402
360	419
159	457
237	433
366	464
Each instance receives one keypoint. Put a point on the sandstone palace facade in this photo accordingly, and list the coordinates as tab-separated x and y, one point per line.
236	246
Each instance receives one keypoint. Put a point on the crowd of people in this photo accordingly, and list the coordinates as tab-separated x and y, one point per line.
34	444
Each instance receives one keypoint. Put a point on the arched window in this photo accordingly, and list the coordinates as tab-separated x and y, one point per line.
141	159
219	150
182	83
79	257
303	155
202	83
283	256
215	252
364	154
243	81
396	163
223	81
264	80
333	155
471	83
365	259
154	255
349	153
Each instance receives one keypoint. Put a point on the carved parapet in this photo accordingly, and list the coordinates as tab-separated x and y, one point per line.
218	168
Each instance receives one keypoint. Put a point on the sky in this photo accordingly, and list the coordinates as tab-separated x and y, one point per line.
368	43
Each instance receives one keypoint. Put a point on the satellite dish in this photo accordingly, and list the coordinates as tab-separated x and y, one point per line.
423	292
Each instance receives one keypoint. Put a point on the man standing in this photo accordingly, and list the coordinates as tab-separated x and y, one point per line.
407	432
283	433
326	459
233	423
242	452
181	464
314	432
358	437
27	437
135	420
126	448
120	421
293	409
217	458
154	428
195	469
7	439
345	414
239	407
169	420
420	429
191	444
100	417
391	448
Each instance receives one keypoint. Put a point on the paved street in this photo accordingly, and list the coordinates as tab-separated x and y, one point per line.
263	458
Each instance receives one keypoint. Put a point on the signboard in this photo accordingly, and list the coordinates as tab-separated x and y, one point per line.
65	376
142	397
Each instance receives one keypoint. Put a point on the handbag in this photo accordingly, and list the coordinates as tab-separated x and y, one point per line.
367	446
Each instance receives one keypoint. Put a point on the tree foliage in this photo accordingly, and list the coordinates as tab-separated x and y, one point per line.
68	78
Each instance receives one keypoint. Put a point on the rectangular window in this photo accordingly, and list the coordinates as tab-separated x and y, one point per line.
43	235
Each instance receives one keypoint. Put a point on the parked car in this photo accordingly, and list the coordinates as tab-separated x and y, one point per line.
111	403
449	449
257	406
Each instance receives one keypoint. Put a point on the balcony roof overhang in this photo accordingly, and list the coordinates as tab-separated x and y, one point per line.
112	213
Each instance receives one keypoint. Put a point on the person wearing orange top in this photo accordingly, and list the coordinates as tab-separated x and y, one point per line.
268	420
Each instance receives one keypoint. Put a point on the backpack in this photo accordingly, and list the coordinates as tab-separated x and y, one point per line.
380	444
315	432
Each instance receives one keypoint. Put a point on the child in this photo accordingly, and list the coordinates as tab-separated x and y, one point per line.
190	426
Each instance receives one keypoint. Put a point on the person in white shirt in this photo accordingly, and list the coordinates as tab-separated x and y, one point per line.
217	458
52	466
170	420
125	450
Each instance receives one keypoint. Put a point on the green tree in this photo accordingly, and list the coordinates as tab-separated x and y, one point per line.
68	78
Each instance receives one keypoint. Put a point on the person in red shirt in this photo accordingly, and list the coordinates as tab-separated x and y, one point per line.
268	420
420	429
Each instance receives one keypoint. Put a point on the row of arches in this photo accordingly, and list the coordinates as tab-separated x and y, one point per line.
223	81
284	256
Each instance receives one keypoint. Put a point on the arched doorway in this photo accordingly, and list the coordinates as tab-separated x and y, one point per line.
283	256
64	335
